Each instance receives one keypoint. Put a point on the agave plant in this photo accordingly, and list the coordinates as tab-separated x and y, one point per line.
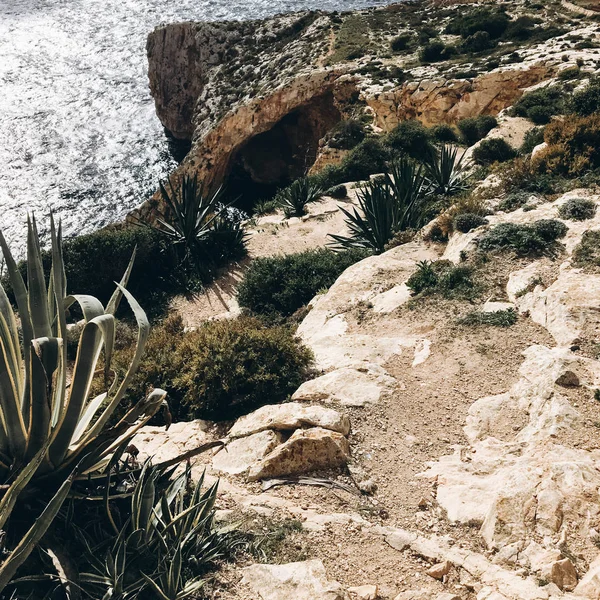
51	430
169	533
446	173
297	196
191	212
386	206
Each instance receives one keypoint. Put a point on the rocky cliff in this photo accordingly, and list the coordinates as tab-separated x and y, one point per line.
257	98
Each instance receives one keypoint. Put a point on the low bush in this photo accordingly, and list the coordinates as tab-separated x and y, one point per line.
536	238
540	105
573	147
500	318
578	209
570	73
523	175
587	253
478	42
367	158
522	28
514	201
443	278
587	101
466	221
347	134
491	21
266	207
276	287
444	133
534	137
436	51
337	191
474	129
410	137
222	370
402	42
493	150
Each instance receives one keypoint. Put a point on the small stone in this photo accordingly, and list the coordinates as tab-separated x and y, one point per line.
365	592
423	504
564	575
367	487
568	379
439	570
447	596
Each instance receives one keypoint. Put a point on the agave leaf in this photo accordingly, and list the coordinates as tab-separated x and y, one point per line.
115	300
38	295
19	555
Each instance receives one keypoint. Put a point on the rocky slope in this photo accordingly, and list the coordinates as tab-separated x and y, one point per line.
447	460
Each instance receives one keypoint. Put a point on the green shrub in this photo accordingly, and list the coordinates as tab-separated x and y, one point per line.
570	73
436	51
366	159
493	150
500	318
587	253
536	238
464	222
347	134
278	286
493	22
522	28
540	105
587	101
444	133
478	42
578	209
410	137
443	278
402	42
534	137
222	370
514	201
573	147
337	191
231	367
266	207
474	129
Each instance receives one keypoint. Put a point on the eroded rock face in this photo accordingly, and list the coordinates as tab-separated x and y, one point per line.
300	581
240	454
307	450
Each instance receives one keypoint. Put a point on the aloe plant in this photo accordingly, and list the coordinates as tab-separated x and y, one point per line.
446	173
51	430
169	533
386	206
297	196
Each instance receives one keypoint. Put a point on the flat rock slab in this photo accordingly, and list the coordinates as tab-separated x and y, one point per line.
350	387
307	450
294	581
241	453
288	417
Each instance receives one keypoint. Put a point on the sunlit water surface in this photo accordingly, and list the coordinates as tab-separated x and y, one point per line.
78	132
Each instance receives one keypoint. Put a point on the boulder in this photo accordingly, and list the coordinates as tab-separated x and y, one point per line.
288	417
306	450
350	387
163	444
589	586
298	581
563	574
241	453
439	570
364	592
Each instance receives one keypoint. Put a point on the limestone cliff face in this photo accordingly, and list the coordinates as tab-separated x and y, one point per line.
257	98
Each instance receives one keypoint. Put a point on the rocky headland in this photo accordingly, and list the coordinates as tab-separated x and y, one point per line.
432	455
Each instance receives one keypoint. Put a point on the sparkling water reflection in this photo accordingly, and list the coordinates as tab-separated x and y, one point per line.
78	133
